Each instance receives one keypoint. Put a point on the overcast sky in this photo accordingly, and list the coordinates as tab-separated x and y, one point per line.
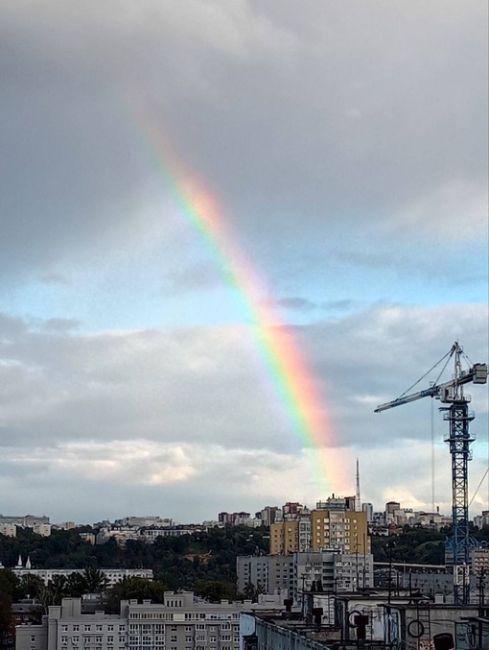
346	144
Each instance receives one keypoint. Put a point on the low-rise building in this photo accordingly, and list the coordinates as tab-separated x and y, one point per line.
113	576
142	522
151	534
66	627
120	534
182	622
480	561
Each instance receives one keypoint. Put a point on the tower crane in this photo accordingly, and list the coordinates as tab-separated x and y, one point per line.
458	416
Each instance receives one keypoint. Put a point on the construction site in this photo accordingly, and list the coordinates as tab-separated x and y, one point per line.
409	606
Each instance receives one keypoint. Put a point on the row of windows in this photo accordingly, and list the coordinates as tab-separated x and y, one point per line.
88	627
166	616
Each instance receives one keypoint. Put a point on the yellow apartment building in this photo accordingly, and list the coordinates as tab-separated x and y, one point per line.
284	537
346	530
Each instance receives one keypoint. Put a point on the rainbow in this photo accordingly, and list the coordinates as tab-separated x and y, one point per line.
293	380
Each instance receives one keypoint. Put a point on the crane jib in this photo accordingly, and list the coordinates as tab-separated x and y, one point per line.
477	374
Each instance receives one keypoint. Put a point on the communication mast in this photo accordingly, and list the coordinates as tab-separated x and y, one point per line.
458	416
358	500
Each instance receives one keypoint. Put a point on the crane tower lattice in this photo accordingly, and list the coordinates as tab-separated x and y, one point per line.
458	416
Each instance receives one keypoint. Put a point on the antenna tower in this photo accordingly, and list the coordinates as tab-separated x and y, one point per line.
358	501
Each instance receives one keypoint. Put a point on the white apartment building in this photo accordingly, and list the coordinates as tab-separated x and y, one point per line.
113	576
140	522
482	520
40	525
151	534
9	530
331	571
305	571
182	622
268	573
120	534
66	628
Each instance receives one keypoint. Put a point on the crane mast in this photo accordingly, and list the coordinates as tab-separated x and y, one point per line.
458	416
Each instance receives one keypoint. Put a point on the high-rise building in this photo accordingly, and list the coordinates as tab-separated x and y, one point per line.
391	510
284	537
346	531
369	510
333	525
351	503
304	542
268	515
304	571
292	509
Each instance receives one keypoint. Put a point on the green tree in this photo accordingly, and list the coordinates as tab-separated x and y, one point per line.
95	580
57	587
137	588
8	588
30	586
215	590
75	585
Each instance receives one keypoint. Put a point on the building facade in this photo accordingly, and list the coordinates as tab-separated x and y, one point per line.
39	525
182	622
113	576
330	526
303	572
284	537
369	510
268	574
342	530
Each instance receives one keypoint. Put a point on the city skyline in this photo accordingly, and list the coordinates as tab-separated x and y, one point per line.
345	151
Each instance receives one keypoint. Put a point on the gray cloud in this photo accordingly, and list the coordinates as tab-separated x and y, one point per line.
297	303
192	278
344	115
54	278
61	324
188	399
338	305
339	137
